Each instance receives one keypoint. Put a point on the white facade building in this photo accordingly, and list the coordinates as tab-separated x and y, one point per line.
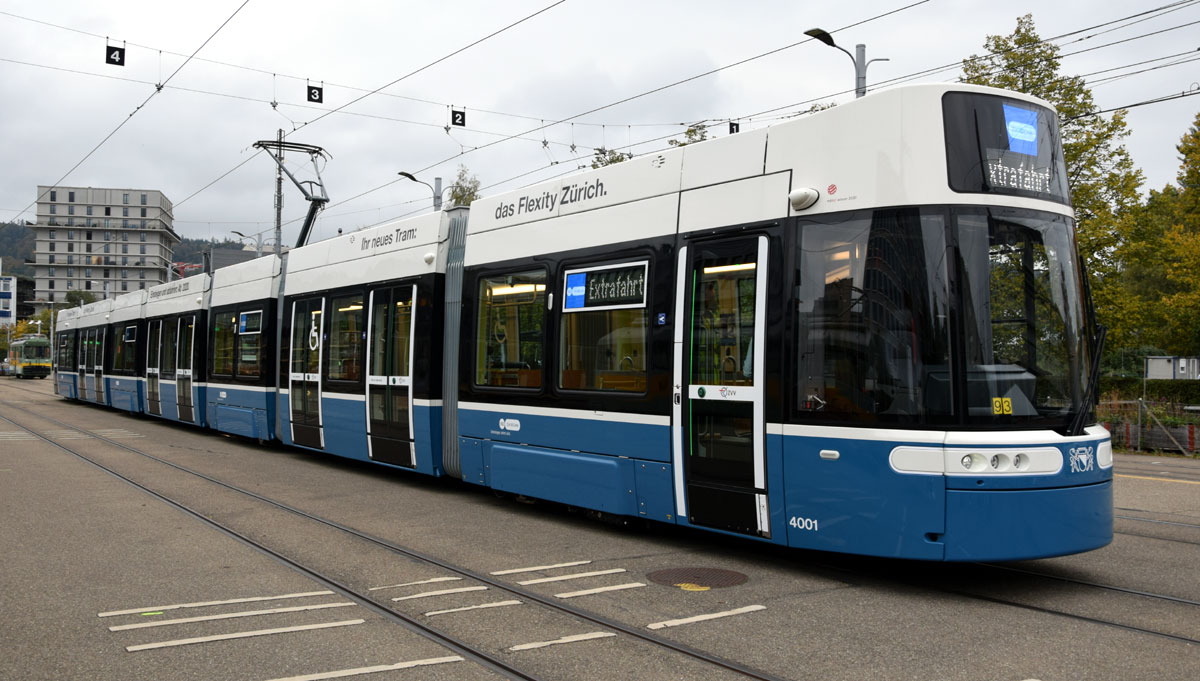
106	241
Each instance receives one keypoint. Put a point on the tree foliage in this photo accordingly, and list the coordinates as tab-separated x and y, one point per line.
1103	180
694	133
465	188
76	298
607	157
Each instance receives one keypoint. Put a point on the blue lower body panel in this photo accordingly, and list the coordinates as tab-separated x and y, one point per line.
126	393
1026	524
249	413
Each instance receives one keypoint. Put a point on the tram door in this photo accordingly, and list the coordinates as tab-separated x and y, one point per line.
304	383
85	362
183	368
153	401
389	376
719	414
98	366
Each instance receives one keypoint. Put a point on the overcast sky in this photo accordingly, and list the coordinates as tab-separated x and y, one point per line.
61	99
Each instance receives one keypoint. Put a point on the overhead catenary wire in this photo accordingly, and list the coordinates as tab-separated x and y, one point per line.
137	109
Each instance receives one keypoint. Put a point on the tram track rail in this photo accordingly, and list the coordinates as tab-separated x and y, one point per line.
453	643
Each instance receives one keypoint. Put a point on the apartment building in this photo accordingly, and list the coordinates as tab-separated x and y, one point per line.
106	241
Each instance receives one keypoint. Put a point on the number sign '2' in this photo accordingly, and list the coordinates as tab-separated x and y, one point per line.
458	118
114	55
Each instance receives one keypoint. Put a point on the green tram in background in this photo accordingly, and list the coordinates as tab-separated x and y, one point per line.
29	357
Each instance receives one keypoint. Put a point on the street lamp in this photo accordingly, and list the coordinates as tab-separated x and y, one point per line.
436	187
860	62
94	282
258	241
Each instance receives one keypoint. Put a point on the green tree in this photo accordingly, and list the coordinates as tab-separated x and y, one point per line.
694	133
465	188
77	297
607	157
1103	181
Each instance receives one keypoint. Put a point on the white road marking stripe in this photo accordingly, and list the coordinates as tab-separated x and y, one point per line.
240	634
540	567
138	611
702	618
577	575
229	616
371	670
499	604
443	592
588	592
423	581
564	639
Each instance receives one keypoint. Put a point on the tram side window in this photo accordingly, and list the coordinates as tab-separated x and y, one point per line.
510	333
66	352
124	354
604	329
223	336
249	344
346	338
170	333
872	331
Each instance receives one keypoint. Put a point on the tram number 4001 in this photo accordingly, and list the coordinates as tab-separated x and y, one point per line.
803	523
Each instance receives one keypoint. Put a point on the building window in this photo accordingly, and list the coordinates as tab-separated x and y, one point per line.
89	235
70	246
70	234
124	261
125	198
124	248
107	273
143	201
50	285
143	212
70	284
52	234
53	196
107	211
141	274
124	286
53	208
124	236
87	272
52	244
70	271
89	210
143	235
51	257
125	212
50	272
125	223
142	285
70	210
70	221
106	246
71	197
143	249
124	273
143	225
108	236
70	260
87	285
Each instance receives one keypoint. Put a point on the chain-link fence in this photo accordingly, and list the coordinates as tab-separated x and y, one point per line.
1142	424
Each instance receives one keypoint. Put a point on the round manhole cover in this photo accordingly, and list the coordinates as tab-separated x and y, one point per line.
697	578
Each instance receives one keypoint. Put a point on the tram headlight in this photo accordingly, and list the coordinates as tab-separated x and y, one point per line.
995	461
966	461
1017	460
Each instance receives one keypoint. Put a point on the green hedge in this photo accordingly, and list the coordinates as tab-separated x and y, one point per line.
1157	390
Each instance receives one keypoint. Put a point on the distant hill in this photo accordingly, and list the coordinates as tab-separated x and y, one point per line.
16	246
193	250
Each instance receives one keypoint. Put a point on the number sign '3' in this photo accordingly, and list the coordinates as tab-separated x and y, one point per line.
316	94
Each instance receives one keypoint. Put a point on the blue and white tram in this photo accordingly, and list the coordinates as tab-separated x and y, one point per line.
125	356
66	358
176	315
866	331
91	339
240	395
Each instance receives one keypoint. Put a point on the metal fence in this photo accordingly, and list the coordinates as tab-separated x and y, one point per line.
1145	425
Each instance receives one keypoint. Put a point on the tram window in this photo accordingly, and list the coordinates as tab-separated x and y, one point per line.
170	333
223	336
872	331
249	344
346	338
66	351
185	342
604	329
124	353
510	336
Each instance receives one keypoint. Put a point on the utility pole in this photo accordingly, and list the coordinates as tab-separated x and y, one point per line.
278	201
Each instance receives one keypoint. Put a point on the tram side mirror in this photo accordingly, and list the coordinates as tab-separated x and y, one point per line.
803	197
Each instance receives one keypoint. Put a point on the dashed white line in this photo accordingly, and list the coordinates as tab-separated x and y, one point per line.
538	568
564	639
371	670
240	634
577	575
423	581
588	592
499	604
443	592
205	604
703	618
229	616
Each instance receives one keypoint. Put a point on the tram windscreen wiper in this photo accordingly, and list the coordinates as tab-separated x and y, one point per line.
1093	381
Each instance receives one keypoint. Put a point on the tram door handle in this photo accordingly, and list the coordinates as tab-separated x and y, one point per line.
677	398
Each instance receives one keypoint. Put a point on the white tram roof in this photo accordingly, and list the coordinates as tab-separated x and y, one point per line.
94	314
401	248
182	295
128	306
886	149
246	281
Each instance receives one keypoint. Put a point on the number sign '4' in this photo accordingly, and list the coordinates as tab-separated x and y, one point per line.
114	55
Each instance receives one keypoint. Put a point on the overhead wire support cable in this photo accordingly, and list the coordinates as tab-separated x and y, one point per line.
158	88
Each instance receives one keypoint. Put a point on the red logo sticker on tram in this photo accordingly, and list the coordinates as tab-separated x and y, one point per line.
832	189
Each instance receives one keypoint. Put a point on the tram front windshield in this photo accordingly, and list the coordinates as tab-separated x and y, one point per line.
940	316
